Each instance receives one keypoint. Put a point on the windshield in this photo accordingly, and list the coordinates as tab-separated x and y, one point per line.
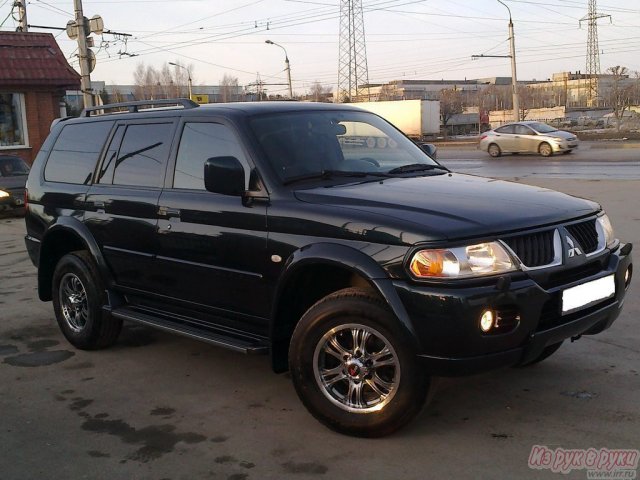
542	127
12	167
300	144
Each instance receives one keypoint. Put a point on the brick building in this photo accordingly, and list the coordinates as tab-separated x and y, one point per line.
34	75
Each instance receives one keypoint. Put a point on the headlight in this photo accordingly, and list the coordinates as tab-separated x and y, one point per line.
4	194
462	262
607	229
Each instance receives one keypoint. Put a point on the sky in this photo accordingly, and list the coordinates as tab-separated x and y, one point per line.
405	39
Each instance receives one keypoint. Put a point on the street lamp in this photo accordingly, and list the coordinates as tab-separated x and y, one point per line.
514	79
188	77
286	62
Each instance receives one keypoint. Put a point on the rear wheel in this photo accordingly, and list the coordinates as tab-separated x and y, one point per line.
494	150
353	368
78	297
545	149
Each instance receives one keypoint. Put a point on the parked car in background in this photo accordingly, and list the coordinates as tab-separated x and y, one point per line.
13	178
527	137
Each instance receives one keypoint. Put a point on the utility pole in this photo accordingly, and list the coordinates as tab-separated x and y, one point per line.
83	55
512	56
287	65
514	76
21	5
189	81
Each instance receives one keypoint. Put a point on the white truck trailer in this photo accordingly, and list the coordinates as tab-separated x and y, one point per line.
417	119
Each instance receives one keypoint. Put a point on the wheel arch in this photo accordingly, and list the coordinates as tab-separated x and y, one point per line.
65	236
315	271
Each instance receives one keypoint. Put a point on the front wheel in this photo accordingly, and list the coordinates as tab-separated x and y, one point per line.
78	297
545	149
353	368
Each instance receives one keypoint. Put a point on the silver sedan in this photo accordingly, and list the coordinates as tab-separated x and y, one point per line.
527	137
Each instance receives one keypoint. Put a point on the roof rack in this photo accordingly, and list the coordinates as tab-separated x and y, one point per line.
133	107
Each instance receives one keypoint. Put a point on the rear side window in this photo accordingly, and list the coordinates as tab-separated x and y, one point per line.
143	155
76	152
506	129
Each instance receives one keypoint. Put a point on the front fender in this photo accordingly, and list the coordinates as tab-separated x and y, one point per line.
351	259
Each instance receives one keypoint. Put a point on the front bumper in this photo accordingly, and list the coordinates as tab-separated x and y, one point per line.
446	319
564	146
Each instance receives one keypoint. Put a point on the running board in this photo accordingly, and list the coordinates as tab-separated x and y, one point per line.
210	335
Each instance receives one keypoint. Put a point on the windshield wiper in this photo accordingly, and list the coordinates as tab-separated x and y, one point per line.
416	167
328	174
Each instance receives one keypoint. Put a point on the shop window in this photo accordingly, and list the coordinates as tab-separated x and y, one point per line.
13	132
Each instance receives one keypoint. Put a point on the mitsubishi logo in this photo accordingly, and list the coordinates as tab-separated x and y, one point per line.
573	250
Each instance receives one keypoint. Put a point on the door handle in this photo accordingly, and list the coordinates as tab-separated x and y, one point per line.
98	206
169	212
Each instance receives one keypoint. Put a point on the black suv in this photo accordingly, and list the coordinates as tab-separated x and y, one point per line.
317	234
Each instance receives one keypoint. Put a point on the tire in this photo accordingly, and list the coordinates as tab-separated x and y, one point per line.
494	150
545	149
78	297
546	353
390	395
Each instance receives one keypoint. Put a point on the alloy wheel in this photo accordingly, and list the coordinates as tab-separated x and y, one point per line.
356	368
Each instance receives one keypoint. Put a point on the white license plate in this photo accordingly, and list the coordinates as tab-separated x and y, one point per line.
581	296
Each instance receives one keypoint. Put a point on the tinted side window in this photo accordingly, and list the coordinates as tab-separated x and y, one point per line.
105	173
75	153
505	129
201	141
523	130
143	155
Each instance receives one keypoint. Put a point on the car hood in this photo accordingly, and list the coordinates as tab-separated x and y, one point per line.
16	182
452	206
560	134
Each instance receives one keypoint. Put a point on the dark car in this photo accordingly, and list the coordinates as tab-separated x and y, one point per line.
13	178
319	235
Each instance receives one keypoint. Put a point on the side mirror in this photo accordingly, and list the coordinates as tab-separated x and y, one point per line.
429	148
224	175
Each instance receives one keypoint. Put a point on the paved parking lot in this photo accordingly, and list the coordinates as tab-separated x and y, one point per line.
163	407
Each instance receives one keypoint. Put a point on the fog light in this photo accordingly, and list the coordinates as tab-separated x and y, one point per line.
486	321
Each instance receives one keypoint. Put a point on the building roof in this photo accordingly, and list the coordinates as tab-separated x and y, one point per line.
34	59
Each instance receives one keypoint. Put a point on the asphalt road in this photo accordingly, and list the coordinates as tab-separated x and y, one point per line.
158	406
592	160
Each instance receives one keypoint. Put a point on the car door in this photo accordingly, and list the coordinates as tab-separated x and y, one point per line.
525	139
212	247
122	203
505	138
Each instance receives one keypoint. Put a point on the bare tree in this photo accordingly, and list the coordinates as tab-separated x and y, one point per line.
387	92
619	96
526	100
151	83
318	92
450	105
228	88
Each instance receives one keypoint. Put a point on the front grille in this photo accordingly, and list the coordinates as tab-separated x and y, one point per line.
586	235
534	249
